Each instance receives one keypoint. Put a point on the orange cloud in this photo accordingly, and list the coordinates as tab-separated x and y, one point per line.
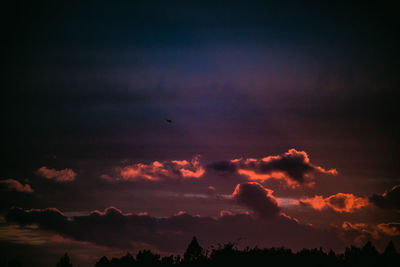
65	175
157	171
354	226
360	232
14	185
339	202
253	176
392	228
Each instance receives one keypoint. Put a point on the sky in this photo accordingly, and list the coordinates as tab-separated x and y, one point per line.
283	128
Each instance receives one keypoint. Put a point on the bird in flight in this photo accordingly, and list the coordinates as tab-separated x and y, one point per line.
169	121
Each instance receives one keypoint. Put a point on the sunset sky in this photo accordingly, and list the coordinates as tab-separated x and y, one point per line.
283	126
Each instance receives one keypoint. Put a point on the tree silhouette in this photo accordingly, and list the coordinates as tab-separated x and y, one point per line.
168	260
369	255
14	263
127	260
228	254
103	262
390	256
64	261
147	258
390	250
194	252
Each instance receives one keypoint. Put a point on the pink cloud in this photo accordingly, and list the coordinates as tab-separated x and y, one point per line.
65	175
14	185
339	202
158	171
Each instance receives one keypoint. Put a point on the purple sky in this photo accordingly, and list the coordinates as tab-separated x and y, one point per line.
283	127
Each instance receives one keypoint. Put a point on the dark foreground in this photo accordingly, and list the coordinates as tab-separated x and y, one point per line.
229	255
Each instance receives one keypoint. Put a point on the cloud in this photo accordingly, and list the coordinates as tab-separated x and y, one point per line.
223	213
65	175
257	198
49	218
158	171
293	167
113	228
339	202
211	191
14	185
392	228
359	233
388	200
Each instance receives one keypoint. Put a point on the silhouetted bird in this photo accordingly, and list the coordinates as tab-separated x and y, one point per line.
169	121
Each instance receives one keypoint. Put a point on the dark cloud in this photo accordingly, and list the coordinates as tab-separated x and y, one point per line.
293	167
257	198
115	229
49	218
223	166
388	200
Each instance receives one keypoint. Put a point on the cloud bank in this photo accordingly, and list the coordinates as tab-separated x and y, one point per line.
113	228
265	225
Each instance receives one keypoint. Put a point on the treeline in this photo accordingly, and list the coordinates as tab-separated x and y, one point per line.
230	255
